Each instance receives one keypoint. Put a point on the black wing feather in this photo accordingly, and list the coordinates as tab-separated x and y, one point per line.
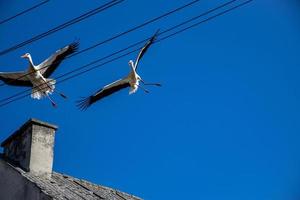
84	103
145	48
50	65
15	79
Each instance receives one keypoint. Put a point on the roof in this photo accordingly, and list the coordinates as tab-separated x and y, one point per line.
63	187
24	126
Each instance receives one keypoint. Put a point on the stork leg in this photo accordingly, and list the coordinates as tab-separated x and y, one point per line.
155	84
147	91
55	90
61	94
52	102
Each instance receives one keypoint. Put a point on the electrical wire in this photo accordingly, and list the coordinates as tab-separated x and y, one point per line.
137	49
139	26
203	21
23	12
130	46
120	34
147	39
62	26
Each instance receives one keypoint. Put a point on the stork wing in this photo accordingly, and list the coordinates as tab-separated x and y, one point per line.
103	92
15	78
145	48
50	64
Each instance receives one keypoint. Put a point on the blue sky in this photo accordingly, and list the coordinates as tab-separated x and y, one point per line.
225	124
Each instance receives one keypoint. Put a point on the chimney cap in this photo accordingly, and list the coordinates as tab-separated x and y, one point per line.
29	122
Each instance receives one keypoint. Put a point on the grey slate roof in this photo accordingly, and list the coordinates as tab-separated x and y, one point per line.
64	187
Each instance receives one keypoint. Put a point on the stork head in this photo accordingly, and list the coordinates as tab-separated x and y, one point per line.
26	55
131	63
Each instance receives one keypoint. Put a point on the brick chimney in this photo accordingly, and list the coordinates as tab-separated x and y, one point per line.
31	147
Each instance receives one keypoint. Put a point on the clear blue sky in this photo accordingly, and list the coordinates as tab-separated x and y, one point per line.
225	124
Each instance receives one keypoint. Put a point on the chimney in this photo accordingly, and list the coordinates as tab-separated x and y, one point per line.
31	147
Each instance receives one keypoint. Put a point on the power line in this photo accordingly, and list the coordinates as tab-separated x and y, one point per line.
24	11
203	21
144	40
166	37
79	68
130	46
121	34
62	26
139	26
157	40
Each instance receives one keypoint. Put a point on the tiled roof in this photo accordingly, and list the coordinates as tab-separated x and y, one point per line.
64	187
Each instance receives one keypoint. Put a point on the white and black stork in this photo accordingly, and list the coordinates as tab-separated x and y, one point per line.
37	76
131	80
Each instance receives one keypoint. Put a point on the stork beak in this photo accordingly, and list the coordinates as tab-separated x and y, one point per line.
24	56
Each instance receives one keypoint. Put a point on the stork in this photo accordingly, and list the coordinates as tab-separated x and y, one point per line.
132	80
37	76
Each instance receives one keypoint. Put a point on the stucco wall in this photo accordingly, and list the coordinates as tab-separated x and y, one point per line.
13	186
18	150
32	148
42	144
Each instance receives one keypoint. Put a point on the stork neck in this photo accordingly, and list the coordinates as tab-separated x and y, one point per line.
132	67
30	60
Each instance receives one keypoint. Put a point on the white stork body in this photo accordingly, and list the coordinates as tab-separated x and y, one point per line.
132	80
41	86
37	75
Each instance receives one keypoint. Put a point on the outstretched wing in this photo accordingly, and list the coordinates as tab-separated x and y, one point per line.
15	78
145	48
103	92
50	64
